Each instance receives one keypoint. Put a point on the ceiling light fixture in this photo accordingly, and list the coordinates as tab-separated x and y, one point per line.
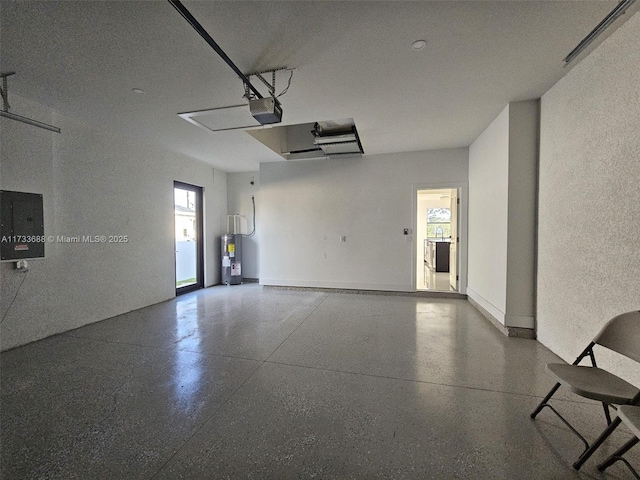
220	119
419	44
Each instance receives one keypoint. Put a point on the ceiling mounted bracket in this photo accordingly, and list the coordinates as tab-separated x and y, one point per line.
270	86
4	92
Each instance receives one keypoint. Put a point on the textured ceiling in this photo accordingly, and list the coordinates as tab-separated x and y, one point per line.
353	60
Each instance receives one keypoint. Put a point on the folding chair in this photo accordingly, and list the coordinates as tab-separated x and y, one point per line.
621	334
630	416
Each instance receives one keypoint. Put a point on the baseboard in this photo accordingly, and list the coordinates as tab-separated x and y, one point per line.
382	287
355	291
495	313
515	332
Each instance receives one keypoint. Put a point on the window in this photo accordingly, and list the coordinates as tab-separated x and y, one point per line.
438	222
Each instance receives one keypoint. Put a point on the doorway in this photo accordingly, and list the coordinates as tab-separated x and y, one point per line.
189	252
437	240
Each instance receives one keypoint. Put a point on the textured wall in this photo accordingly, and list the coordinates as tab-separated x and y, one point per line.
589	197
305	207
95	183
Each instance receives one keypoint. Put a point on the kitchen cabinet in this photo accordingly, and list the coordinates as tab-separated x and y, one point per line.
437	255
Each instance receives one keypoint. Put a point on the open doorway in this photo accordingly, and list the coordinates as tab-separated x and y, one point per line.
437	240
189	256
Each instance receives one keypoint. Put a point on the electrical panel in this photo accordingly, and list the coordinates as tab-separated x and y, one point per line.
21	226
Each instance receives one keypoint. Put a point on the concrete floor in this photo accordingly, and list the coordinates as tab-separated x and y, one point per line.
251	382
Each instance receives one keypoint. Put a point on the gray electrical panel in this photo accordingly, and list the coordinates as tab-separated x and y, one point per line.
231	259
21	226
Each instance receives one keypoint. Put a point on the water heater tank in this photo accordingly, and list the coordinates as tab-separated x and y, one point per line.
231	259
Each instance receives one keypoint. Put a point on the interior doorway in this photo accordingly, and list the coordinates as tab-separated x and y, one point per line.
189	256
437	238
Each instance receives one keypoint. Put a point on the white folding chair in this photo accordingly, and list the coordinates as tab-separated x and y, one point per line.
621	334
630	416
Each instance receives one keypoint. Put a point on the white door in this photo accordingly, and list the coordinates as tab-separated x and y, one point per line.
453	249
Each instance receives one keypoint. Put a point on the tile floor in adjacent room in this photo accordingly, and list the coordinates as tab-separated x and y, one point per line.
253	382
429	279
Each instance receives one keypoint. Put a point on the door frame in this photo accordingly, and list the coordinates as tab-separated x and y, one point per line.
462	248
199	238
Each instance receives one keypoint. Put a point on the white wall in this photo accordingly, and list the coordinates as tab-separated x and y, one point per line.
502	215
239	192
589	198
95	183
305	206
488	215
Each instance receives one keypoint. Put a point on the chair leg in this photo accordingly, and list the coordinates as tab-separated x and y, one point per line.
543	403
607	415
595	445
618	454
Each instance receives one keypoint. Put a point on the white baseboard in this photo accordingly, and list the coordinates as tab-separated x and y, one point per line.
494	311
509	330
520	321
337	285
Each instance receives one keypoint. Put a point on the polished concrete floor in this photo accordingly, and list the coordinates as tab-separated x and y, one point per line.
251	382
